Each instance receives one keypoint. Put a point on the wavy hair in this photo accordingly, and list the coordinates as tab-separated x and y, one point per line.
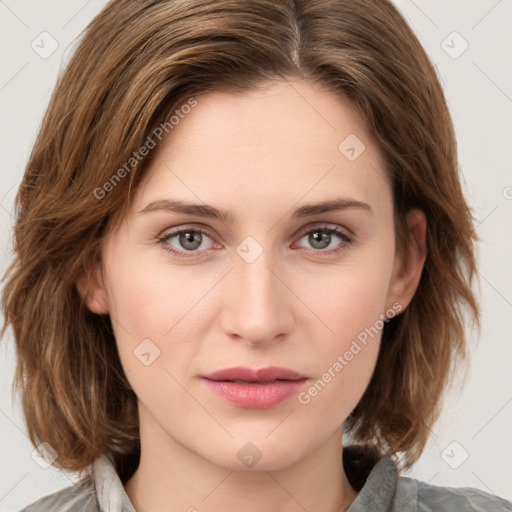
136	63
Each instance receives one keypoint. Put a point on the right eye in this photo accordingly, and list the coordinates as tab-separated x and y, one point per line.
187	240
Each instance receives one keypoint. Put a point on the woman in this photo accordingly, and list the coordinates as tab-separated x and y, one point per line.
241	234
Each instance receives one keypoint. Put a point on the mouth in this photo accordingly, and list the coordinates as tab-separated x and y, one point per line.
254	389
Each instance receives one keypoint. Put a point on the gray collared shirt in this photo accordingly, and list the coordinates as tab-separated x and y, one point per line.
383	491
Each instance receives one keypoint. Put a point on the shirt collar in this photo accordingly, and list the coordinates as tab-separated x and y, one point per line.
109	489
379	490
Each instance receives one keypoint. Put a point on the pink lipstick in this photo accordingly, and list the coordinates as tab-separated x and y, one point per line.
254	389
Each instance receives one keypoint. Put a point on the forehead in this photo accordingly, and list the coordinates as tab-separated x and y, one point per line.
277	144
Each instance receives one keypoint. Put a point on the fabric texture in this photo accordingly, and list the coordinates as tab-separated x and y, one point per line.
381	489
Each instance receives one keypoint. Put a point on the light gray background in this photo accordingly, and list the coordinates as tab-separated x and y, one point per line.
477	419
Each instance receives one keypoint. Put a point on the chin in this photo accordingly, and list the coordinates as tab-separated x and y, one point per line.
257	453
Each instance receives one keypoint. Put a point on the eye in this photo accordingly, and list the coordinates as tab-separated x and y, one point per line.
323	239
189	240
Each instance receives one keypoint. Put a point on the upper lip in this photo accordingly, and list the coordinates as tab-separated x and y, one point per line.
243	373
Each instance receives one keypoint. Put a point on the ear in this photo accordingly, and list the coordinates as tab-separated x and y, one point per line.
91	288
409	266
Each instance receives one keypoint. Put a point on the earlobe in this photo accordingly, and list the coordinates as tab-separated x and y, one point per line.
91	289
408	267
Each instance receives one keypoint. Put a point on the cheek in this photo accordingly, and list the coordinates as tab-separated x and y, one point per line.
159	315
345	361
353	298
147	296
348	356
144	305
352	304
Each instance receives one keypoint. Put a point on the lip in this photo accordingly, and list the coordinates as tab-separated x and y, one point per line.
259	389
261	375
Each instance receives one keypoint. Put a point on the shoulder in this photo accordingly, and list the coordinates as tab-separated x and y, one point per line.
412	494
81	496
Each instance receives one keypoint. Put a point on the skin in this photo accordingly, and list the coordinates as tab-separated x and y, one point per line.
261	155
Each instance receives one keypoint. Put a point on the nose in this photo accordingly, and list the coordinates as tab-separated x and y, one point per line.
258	306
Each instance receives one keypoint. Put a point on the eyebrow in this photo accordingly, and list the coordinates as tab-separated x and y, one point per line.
228	216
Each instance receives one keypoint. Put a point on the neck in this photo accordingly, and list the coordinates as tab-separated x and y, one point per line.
171	477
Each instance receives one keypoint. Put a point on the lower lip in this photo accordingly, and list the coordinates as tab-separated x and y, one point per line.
255	396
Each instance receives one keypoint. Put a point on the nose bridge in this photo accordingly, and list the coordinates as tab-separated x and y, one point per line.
256	306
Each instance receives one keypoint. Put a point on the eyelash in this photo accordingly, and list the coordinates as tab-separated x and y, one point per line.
345	238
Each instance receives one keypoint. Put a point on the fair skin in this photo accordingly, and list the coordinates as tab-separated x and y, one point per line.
260	155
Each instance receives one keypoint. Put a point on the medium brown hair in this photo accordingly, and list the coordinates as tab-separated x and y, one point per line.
136	63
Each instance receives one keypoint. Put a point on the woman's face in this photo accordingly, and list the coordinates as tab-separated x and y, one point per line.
270	284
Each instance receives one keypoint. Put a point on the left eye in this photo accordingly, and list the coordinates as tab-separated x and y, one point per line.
321	238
